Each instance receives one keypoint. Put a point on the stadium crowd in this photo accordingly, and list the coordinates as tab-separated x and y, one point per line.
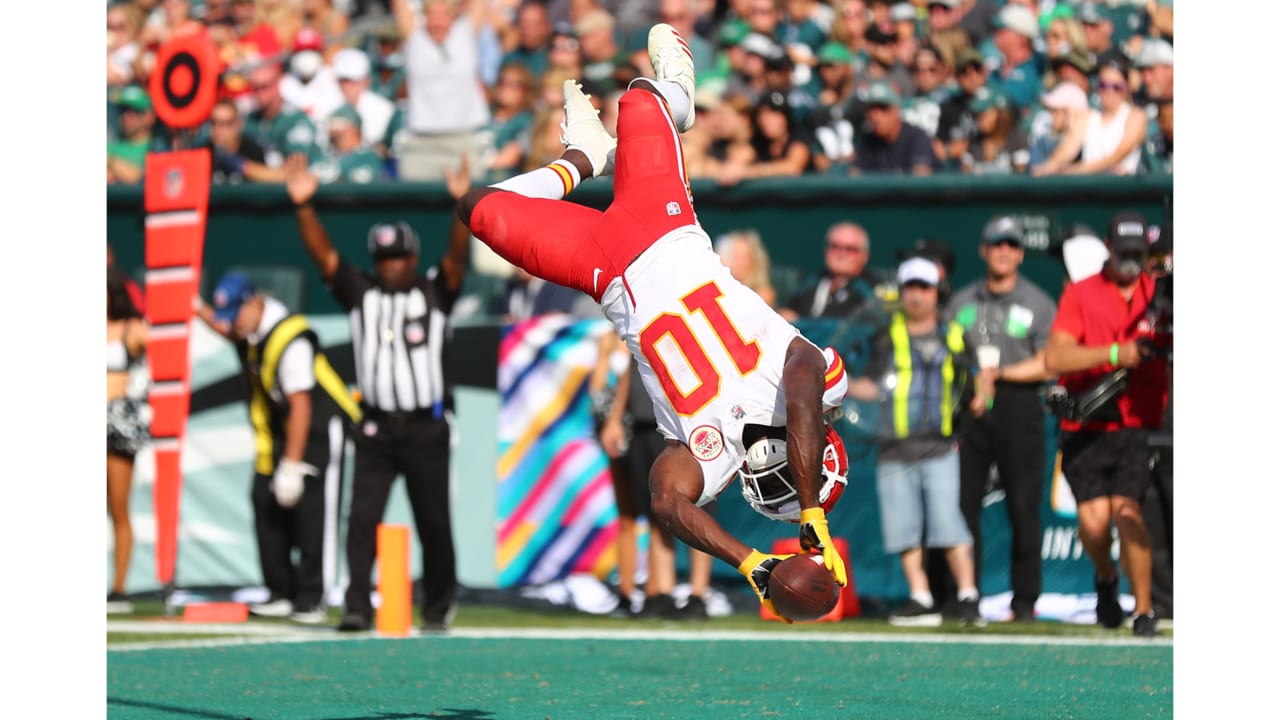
785	87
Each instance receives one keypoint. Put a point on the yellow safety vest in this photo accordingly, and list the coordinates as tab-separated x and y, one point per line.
266	357
902	363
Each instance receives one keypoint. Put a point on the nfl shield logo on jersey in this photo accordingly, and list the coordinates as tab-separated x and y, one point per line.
673	208
706	443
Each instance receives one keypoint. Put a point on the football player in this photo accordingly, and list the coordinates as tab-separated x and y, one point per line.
737	390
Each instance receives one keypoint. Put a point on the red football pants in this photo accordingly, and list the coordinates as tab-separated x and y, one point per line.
566	243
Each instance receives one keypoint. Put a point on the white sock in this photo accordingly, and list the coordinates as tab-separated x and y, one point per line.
967	594
551	182
679	101
924	597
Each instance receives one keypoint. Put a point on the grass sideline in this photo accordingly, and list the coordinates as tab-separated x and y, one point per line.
174	629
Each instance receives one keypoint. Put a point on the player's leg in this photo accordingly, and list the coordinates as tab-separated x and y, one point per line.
522	217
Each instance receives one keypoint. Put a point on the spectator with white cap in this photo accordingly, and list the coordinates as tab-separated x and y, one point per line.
1155	65
919	375
352	69
1019	72
310	85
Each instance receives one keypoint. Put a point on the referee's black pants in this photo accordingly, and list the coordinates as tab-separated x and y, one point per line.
309	526
1011	435
417	446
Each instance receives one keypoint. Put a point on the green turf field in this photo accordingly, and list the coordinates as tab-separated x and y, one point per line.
505	663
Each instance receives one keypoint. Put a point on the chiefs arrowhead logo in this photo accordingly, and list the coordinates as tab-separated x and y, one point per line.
706	443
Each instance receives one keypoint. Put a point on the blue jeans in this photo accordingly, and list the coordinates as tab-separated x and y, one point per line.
921	496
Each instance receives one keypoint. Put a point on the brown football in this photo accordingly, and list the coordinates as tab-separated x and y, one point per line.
802	588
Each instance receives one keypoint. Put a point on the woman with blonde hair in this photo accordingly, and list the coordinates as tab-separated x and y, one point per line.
743	252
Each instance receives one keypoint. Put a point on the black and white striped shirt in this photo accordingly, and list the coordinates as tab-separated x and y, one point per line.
397	338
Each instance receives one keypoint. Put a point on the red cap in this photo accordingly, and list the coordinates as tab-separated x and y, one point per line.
307	38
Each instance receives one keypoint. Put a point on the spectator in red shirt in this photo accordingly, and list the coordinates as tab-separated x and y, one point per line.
1099	330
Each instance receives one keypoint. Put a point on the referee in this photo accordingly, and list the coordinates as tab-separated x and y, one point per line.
399	326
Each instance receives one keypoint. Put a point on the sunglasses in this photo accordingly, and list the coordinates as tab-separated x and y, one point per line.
223	121
1113	87
1005	243
852	249
931	69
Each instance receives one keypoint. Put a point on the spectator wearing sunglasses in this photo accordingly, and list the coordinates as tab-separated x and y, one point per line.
1109	138
846	283
932	77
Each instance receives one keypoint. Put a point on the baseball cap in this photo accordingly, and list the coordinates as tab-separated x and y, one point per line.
1018	19
230	294
392	240
918	269
134	97
775	100
950	4
986	98
1089	14
882	93
592	21
902	12
307	38
351	64
733	32
967	56
1154	52
1065	96
760	44
1127	231
1002	227
1077	59
931	249
834	53
345	113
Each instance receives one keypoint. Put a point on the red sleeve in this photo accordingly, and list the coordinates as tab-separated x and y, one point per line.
1068	319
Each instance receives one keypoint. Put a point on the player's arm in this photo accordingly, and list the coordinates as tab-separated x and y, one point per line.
803	383
301	186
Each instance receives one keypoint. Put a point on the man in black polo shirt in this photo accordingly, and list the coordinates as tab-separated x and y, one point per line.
1006	319
887	144
399	327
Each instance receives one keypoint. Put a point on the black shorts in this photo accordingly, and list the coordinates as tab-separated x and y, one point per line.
1098	464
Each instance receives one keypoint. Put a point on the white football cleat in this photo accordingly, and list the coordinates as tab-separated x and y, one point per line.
582	130
671	59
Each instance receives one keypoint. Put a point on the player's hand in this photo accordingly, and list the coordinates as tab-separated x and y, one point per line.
299	182
756	569
814	535
290	479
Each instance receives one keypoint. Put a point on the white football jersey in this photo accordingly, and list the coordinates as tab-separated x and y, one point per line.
709	350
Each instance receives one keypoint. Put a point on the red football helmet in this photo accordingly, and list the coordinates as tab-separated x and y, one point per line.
766	478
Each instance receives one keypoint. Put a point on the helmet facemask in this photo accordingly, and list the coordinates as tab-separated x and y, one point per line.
767	484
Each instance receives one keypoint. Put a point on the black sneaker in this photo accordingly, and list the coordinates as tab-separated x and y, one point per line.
695	608
1145	625
118	604
969	614
1024	613
354	622
434	627
1109	613
913	614
658	606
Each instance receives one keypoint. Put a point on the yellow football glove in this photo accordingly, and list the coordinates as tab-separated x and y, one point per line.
757	568
814	535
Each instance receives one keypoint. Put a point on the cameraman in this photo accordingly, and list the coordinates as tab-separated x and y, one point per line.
1100	328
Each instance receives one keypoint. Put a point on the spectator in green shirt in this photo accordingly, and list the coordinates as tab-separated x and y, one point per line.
126	157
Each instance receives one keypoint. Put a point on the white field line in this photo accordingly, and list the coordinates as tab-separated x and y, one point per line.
273	634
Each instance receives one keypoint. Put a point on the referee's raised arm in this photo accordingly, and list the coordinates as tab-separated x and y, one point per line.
301	186
454	263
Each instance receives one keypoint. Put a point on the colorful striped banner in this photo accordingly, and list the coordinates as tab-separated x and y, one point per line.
556	510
